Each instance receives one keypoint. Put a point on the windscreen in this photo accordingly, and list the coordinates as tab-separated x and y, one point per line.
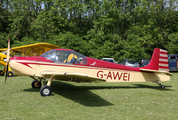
62	56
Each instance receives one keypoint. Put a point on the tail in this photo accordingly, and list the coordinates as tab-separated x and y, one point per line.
159	60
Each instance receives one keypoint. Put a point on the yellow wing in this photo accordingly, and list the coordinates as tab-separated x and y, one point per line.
34	49
3	49
31	49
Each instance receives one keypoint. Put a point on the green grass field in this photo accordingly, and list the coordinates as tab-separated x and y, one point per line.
88	101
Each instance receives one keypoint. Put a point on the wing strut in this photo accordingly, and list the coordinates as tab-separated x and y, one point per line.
50	80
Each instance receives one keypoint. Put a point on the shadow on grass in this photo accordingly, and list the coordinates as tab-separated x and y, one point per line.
83	95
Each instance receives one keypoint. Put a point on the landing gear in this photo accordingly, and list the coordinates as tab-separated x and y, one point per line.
45	90
1	73
9	73
36	84
162	86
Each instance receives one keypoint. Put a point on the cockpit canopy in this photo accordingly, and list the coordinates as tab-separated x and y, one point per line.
64	56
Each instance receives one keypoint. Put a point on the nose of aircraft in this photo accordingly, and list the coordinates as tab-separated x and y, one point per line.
25	66
14	66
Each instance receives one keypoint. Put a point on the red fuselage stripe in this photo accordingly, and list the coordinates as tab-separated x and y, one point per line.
65	65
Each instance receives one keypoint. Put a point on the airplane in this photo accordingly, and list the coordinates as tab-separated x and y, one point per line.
69	65
25	50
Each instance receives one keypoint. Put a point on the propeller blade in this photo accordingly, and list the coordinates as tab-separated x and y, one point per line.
7	62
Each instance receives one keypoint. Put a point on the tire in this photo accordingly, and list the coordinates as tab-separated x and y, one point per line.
162	86
9	74
45	90
36	84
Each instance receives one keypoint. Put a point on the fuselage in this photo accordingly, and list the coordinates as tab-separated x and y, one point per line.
110	72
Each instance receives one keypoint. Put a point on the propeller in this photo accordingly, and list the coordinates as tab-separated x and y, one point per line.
7	62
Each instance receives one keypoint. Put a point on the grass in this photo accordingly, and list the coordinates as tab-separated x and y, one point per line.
88	101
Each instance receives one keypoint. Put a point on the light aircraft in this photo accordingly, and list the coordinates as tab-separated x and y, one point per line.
26	50
68	65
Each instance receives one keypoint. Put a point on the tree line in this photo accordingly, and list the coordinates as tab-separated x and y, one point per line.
95	28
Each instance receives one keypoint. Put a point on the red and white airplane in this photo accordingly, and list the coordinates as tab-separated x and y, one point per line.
68	65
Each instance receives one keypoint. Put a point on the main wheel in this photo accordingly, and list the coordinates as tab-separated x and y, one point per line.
45	90
36	84
9	74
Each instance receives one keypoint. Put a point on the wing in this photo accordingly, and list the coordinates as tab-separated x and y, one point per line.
3	49
156	71
74	77
34	49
